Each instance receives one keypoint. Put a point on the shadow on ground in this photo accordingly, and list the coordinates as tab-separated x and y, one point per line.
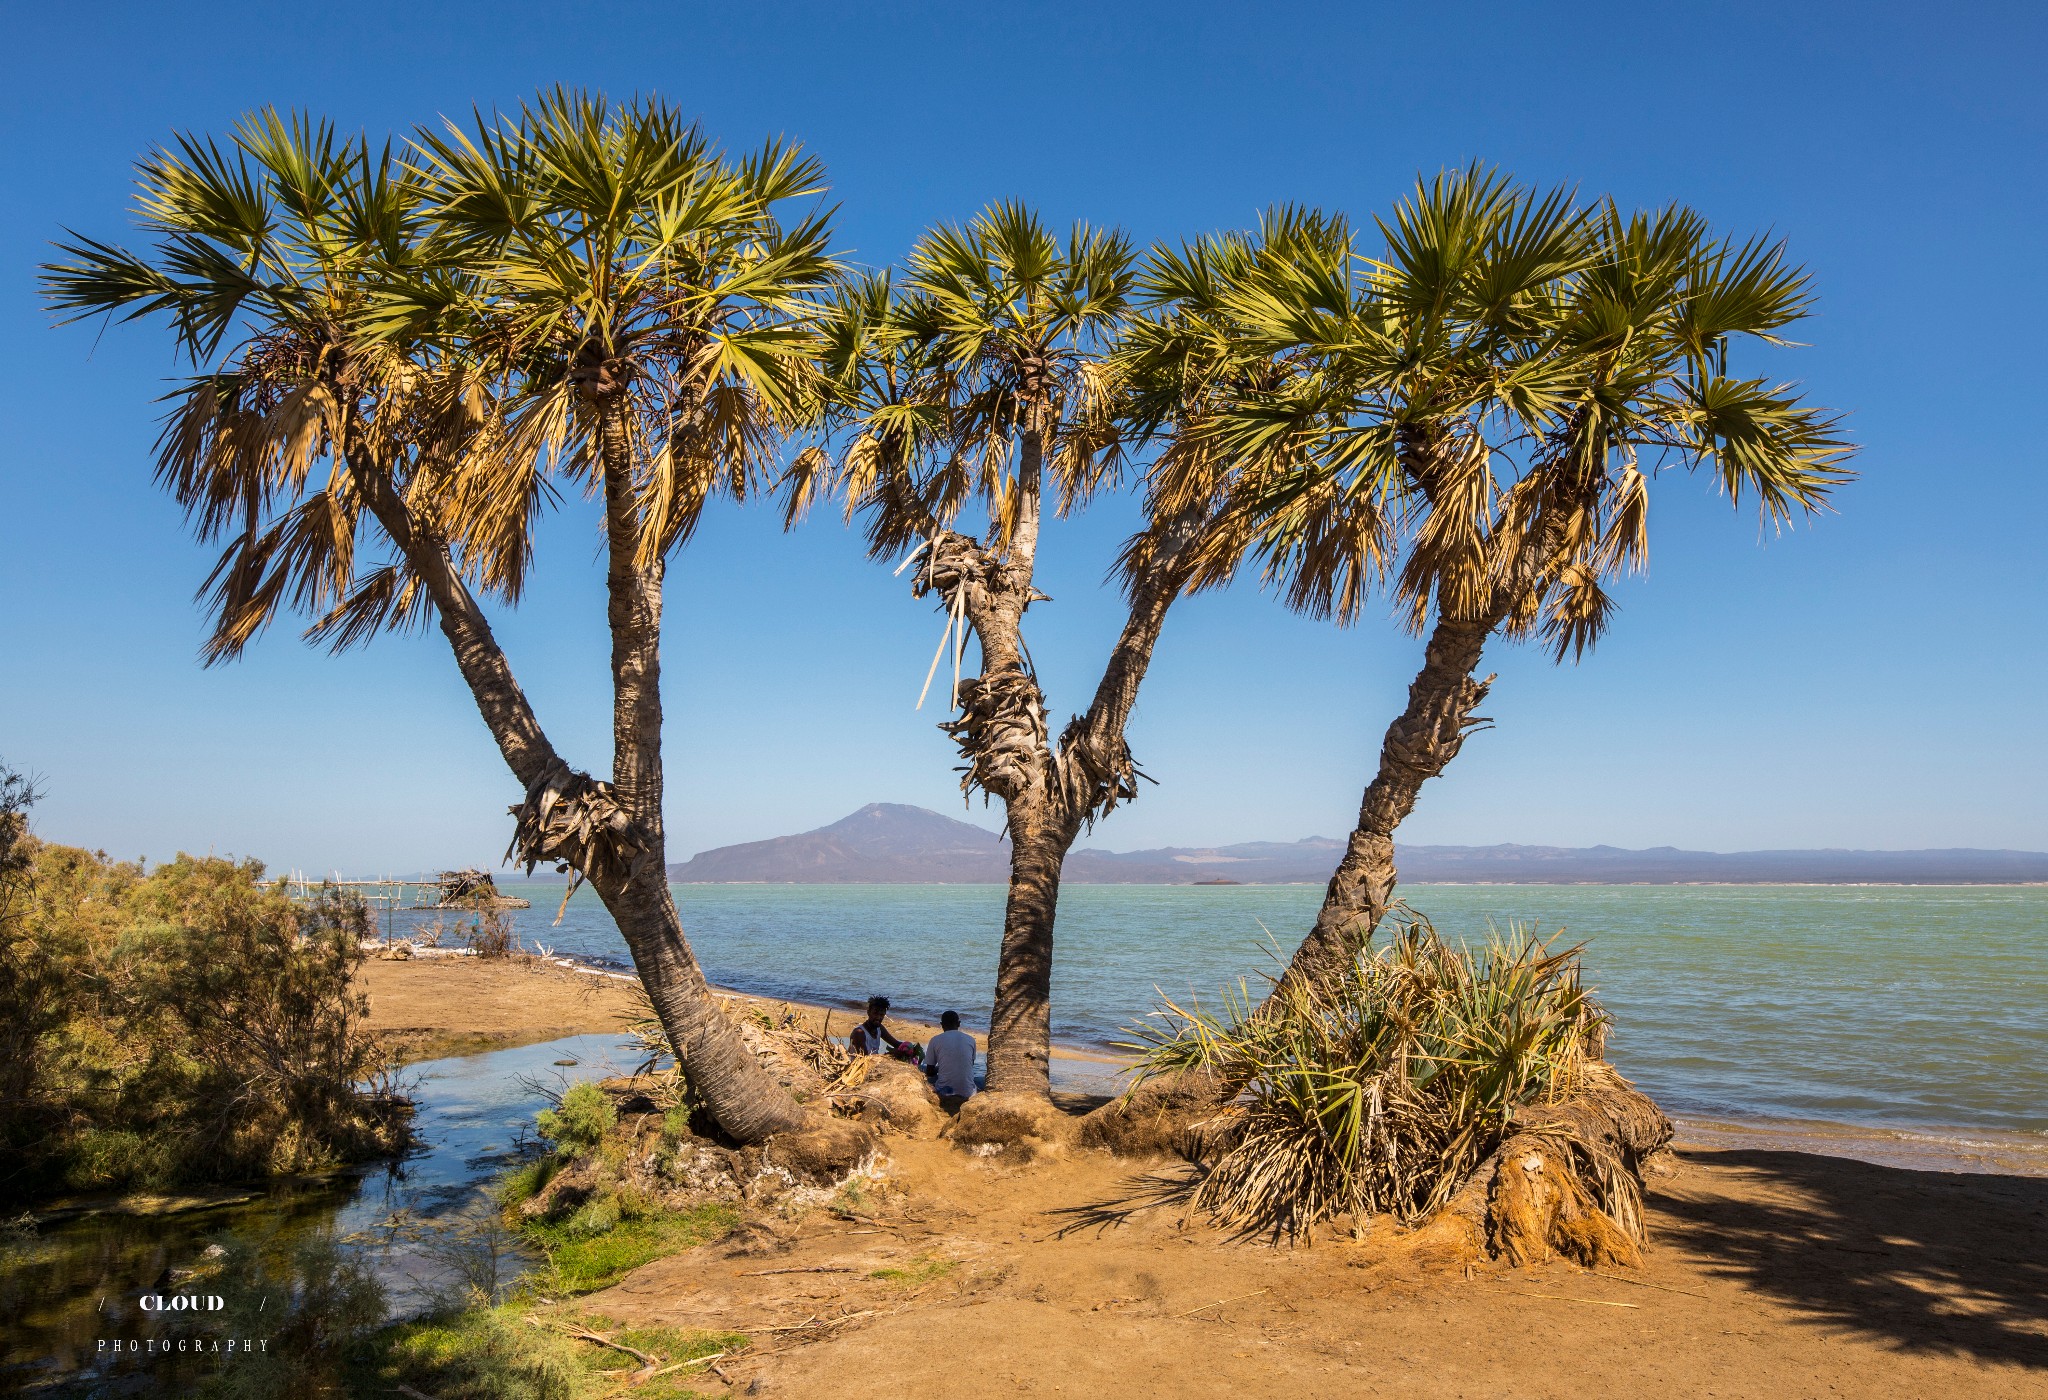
1932	1262
1171	1188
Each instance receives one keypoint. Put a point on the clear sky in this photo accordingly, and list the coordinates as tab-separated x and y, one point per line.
1875	680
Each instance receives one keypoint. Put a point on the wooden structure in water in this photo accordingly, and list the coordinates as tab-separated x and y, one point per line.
470	891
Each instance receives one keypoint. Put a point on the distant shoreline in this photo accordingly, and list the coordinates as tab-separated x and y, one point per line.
1405	884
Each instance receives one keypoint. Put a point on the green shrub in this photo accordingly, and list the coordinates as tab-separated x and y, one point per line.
184	1025
579	1125
484	1353
1381	1086
522	1184
581	1261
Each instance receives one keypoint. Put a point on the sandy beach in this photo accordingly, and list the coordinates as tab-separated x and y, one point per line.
426	1007
1771	1273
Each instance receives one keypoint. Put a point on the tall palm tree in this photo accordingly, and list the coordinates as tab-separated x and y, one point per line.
320	427
641	305
988	380
1499	387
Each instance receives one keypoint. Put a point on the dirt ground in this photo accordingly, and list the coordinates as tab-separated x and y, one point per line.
423	1008
1771	1275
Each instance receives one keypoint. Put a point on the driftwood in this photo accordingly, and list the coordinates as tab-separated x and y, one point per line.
470	889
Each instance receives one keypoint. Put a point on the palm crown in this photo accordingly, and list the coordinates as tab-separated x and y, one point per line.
636	292
1479	400
981	372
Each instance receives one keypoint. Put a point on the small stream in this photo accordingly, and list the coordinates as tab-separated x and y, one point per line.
72	1320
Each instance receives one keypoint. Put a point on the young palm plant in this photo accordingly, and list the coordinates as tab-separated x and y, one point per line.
310	283
1378	1086
989	380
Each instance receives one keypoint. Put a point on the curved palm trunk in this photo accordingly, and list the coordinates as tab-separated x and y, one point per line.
1419	744
740	1093
722	1072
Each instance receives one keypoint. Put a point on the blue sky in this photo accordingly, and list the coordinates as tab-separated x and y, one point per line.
1873	680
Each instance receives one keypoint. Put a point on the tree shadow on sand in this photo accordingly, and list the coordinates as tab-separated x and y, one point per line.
1944	1263
1167	1188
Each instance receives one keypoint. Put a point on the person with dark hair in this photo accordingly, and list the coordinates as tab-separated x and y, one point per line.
871	1037
949	1060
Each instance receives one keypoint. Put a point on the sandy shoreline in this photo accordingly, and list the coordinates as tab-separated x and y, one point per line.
445	1004
1786	1269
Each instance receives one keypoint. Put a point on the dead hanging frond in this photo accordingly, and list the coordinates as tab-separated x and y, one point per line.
1000	728
387	599
959	571
1575	612
576	823
1093	782
1456	495
1001	732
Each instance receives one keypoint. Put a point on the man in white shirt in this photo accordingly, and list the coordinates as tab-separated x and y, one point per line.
950	1060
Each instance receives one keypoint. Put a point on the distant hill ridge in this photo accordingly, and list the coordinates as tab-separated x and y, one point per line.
891	843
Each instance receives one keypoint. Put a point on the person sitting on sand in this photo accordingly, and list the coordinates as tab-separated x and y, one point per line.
871	1037
949	1060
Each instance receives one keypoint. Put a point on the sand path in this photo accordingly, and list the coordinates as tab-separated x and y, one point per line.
1773	1275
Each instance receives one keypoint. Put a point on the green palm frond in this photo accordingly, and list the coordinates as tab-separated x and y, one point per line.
998	332
1486	397
268	248
629	279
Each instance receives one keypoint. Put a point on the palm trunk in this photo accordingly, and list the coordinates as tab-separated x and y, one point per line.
1420	742
499	699
633	610
1020	1027
723	1074
1066	790
742	1096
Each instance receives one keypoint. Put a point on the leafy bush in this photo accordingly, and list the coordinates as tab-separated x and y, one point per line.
491	937
1380	1087
580	1123
184	1025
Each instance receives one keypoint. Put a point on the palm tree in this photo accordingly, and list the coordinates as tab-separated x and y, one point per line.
642	305
313	288
989	380
1499	388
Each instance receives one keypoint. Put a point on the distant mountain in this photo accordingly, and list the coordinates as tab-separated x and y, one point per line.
884	843
890	843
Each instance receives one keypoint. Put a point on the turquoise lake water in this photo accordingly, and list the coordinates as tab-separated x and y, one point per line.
1878	1006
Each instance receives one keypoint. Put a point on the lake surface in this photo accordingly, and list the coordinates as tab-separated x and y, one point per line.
1885	1007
